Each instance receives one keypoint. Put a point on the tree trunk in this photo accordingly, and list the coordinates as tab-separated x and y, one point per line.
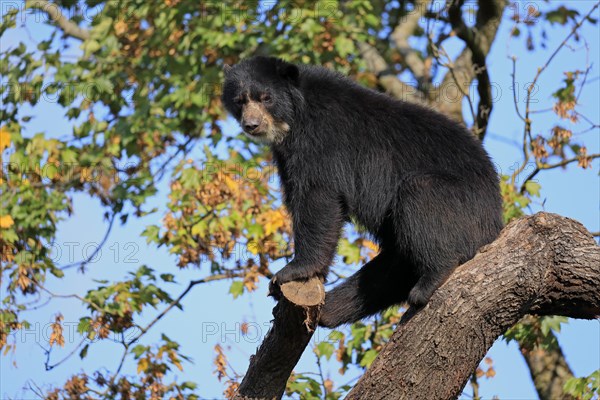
543	264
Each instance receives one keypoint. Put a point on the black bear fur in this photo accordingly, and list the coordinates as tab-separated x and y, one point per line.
420	183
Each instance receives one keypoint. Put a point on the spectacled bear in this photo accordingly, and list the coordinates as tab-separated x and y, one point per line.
420	183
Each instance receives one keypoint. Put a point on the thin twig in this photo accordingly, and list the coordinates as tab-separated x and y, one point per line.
67	296
159	173
514	85
175	302
144	330
450	66
588	68
542	167
527	128
121	362
475	386
56	364
321	376
83	263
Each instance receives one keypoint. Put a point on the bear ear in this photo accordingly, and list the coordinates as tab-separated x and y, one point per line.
226	69
288	71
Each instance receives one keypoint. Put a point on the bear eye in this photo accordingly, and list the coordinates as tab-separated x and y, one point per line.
265	98
239	101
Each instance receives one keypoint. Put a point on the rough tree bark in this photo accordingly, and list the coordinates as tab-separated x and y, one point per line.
543	264
296	316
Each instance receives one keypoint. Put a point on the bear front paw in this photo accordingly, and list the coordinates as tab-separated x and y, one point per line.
291	272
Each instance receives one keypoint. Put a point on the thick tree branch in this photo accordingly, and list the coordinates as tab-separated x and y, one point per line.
470	64
387	77
405	30
53	10
377	64
484	88
543	264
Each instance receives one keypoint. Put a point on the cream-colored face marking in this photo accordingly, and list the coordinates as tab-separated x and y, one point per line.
269	130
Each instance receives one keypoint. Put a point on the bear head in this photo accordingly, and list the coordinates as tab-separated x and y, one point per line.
260	93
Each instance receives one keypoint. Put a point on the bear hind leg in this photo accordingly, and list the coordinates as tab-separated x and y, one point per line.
378	285
425	287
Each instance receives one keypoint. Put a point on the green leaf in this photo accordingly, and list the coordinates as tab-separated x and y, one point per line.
349	251
139	350
57	272
84	351
368	358
324	349
103	85
84	325
236	289
561	15
533	188
344	46
151	233
89	47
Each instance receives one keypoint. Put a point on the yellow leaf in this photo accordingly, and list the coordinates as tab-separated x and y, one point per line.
178	365
273	221
142	365
199	228
175	360
120	27
4	138
6	221
85	175
231	184
253	247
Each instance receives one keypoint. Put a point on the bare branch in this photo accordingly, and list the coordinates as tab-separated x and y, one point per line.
174	303
476	44
67	296
541	167
82	264
48	352
296	316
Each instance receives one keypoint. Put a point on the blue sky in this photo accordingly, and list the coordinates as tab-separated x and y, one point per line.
211	316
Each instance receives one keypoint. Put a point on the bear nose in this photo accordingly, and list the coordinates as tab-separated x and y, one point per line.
250	125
